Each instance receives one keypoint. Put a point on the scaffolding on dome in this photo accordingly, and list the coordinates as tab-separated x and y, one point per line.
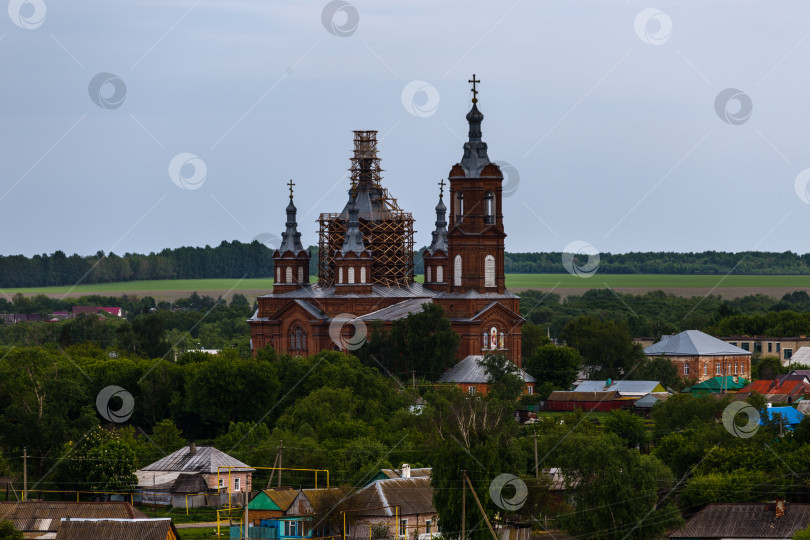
387	229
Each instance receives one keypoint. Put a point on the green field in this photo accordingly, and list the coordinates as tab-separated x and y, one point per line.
164	288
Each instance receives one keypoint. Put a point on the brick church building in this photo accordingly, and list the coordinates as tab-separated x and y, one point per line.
366	262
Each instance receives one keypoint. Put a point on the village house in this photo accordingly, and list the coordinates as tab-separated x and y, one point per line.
43	519
745	521
116	529
271	503
717	385
782	389
471	377
625	389
701	356
193	469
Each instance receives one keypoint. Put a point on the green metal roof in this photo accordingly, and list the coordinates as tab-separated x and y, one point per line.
718	384
262	502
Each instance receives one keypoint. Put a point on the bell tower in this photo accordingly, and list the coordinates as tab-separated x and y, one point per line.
291	260
475	236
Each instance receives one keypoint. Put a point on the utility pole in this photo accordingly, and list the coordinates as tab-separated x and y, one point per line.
536	466
25	474
481	508
413	373
247	497
463	502
280	452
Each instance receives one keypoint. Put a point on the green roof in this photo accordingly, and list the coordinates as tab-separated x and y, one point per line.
718	384
262	502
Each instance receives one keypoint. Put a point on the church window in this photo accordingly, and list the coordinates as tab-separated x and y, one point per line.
440	274
362	274
501	341
489	271
351	274
459	207
288	275
300	274
427	277
298	339
485	341
489	208
493	338
278	274
457	272
340	275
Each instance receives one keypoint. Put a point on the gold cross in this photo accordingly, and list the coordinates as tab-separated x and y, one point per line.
474	91
353	187
291	186
441	188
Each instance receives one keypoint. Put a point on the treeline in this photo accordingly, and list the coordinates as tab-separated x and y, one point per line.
650	262
227	260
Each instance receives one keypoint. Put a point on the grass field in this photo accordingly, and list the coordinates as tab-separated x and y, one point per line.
513	281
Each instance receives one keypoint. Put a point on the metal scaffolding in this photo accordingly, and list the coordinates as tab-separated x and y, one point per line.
387	230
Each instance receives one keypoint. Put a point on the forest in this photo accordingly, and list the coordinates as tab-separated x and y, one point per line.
255	260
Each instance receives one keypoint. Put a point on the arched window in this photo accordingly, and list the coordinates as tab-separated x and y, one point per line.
502	341
489	208
440	274
457	271
351	274
340	275
489	271
485	341
278	274
288	275
493	338
300	274
427	275
362	274
459	207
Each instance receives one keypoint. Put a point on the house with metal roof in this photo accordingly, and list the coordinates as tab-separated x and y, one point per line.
745	521
116	529
701	356
403	505
788	416
782	389
625	389
271	503
470	376
717	385
405	471
43	519
202	467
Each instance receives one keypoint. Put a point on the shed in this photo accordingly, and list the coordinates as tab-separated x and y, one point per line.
635	389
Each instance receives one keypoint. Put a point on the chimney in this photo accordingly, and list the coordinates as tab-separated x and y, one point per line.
406	470
779	511
192	448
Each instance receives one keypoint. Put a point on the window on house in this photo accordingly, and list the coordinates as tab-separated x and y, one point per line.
733	343
471	390
485	341
778	347
440	274
428	526
757	347
685	370
735	368
745	346
770	347
489	271
403	527
530	390
237	484
705	368
457	271
717	369
221	482
788	353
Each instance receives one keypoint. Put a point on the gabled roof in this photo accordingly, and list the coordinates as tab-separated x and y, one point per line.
182	483
693	343
625	388
745	520
492	305
801	356
416	472
717	384
779	385
789	415
471	371
45	516
411	495
274	499
116	529
206	459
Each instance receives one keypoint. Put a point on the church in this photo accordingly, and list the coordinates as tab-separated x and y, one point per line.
366	261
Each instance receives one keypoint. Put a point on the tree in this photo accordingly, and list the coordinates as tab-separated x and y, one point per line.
767	367
803	534
556	365
608	349
627	426
102	462
532	337
8	531
503	377
474	435
660	369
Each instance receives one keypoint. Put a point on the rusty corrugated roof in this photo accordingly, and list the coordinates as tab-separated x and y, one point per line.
44	516
116	529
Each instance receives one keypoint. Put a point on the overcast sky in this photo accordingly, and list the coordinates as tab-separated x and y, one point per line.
612	114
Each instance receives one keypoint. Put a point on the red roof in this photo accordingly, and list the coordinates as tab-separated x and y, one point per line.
776	386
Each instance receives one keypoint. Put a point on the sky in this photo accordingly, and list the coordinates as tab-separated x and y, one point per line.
622	125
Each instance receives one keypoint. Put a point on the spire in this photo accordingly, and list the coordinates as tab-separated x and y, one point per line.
291	238
353	240
475	150
440	233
